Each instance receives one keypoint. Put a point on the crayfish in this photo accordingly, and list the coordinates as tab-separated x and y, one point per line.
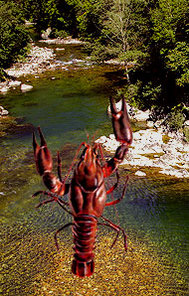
87	192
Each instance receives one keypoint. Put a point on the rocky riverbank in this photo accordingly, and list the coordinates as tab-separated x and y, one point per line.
60	41
153	147
39	60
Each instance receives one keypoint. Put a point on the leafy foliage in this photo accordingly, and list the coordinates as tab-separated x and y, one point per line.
149	37
177	60
176	118
89	15
41	12
13	34
124	27
169	49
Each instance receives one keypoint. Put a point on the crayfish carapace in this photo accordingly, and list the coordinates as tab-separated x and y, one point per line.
87	192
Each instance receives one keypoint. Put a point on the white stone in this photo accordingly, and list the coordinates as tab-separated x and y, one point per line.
4	89
140	174
112	137
45	35
14	83
3	111
60	48
37	60
26	87
150	123
142	115
113	62
158	123
67	40
174	153
186	123
101	140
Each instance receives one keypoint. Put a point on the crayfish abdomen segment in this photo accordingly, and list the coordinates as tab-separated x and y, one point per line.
84	232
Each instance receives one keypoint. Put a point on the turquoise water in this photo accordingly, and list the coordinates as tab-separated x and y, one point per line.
154	211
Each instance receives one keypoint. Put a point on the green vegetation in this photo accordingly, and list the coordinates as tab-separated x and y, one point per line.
13	34
150	38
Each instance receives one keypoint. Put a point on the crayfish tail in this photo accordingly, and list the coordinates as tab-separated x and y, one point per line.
82	269
84	232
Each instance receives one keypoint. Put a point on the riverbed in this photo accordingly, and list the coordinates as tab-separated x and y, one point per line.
154	211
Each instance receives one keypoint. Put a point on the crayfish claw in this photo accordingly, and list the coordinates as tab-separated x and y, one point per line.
121	122
36	147
42	154
113	107
43	141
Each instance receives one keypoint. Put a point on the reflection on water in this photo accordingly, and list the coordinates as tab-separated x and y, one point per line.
153	212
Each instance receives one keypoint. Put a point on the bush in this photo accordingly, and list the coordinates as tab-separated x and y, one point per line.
58	34
130	92
176	117
98	52
13	33
186	133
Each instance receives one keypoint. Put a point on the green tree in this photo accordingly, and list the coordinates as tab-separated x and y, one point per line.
89	17
177	61
13	34
169	49
41	12
125	26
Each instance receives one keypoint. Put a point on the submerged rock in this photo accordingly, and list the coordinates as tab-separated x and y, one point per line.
15	127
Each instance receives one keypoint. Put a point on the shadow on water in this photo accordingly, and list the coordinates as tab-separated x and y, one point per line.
153	212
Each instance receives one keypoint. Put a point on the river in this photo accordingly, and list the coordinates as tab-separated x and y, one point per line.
154	212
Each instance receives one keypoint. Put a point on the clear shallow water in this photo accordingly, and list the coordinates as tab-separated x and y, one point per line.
154	212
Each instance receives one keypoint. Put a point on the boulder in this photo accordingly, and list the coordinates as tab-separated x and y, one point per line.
4	89
140	174
45	34
26	87
186	123
14	84
171	157
3	111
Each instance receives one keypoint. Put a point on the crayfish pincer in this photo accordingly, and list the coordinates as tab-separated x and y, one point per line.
87	192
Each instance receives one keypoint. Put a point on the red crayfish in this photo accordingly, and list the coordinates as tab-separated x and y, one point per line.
87	192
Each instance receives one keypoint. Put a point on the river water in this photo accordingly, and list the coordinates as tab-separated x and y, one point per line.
154	212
